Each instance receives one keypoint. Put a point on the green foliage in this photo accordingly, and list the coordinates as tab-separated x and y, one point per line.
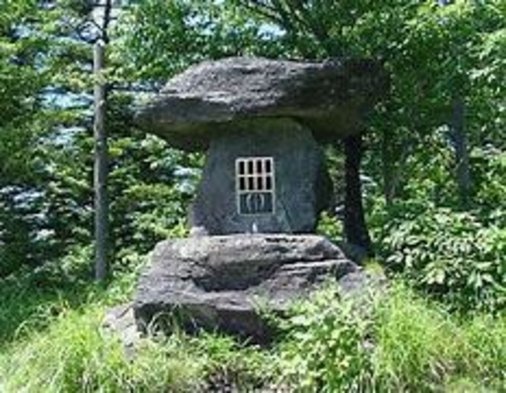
21	125
398	342
45	135
75	354
32	298
326	347
392	340
52	339
46	146
330	227
451	255
50	316
166	37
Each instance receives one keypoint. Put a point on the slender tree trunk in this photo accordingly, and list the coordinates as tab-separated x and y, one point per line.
463	171
393	154
100	172
388	169
355	228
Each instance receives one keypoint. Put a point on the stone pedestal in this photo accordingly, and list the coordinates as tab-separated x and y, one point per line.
222	282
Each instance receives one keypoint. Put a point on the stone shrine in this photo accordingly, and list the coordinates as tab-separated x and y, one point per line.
262	124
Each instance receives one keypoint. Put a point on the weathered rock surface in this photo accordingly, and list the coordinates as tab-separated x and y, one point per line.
219	282
212	97
120	320
302	186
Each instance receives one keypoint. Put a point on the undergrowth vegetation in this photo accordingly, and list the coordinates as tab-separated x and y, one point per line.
63	347
454	256
392	340
76	354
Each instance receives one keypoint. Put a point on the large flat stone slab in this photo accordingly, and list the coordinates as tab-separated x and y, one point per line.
212	97
221	282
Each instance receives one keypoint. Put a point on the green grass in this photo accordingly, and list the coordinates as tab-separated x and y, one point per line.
398	342
76	354
63	347
412	345
26	307
421	346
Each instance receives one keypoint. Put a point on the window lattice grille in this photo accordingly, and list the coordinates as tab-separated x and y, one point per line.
255	185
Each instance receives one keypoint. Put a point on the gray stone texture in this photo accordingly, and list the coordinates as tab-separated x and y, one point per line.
208	99
120	320
221	282
302	185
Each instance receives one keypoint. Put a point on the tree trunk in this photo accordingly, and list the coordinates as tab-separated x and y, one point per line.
100	172
463	171
388	169
355	228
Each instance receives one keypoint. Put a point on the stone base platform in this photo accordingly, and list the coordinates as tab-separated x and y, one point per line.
222	282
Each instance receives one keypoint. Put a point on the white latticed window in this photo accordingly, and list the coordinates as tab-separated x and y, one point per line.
255	185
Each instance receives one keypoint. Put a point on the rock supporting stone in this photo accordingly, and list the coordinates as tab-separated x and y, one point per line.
221	282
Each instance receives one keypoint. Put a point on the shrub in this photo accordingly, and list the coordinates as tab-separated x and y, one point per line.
453	256
326	346
330	227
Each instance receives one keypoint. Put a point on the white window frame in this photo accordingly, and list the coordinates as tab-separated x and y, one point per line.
253	177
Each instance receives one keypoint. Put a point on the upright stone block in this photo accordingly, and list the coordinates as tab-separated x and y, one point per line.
269	177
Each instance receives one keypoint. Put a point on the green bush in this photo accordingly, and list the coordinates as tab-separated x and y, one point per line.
326	348
330	227
451	255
